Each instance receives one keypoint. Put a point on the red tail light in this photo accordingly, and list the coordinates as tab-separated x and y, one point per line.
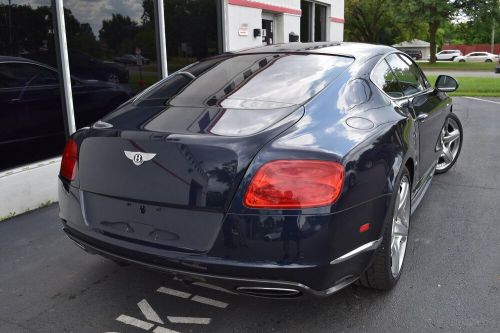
69	160
288	184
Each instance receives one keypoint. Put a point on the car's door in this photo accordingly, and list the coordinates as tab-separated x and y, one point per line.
10	90
429	108
36	108
32	125
483	56
475	57
443	55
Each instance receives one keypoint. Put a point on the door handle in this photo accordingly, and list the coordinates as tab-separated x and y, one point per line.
422	116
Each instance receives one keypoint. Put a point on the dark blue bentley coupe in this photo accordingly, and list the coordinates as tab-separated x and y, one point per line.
278	171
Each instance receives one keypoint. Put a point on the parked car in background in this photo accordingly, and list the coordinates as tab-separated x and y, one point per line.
477	57
85	66
131	59
415	54
31	119
448	55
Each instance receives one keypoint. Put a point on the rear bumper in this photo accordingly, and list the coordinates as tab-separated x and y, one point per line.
276	288
318	260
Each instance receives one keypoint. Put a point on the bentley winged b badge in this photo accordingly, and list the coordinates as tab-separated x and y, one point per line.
138	157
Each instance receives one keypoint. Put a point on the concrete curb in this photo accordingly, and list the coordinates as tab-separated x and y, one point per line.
28	187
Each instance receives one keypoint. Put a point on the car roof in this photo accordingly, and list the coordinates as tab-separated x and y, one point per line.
355	50
8	58
21	59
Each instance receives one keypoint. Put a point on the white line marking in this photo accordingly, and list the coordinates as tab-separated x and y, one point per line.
483	100
160	329
149	312
189	320
214	287
135	322
209	301
173	292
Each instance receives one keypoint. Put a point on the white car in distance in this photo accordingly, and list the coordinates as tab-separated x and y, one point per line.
448	54
477	57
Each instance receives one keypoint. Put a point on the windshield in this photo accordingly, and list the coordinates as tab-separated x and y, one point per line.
249	81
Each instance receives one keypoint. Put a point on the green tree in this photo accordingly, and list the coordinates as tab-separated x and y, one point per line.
28	30
118	33
433	12
148	16
481	18
377	21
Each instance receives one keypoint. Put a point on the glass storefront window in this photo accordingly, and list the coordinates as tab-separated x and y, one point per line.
31	122
191	31
112	54
305	21
313	21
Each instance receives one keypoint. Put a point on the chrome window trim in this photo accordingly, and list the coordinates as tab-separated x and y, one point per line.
382	58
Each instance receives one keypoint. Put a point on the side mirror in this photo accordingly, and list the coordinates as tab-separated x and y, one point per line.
446	83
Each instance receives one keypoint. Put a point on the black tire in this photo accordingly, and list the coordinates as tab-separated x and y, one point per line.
461	60
488	60
457	120
379	275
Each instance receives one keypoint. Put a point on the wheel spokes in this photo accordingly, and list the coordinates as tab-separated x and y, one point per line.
395	256
453	136
447	155
400	226
450	143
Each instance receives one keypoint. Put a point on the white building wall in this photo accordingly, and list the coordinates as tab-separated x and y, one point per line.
235	17
337	21
287	15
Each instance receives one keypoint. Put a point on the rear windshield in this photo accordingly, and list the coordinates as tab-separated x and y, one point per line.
249	81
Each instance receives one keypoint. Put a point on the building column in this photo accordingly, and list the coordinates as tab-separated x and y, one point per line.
64	75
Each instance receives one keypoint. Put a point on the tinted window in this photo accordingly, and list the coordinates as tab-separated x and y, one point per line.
383	77
415	70
21	75
407	76
248	80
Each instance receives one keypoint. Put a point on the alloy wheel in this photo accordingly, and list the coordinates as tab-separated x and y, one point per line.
400	226
450	143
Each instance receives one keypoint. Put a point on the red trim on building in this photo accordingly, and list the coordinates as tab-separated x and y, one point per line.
265	6
337	19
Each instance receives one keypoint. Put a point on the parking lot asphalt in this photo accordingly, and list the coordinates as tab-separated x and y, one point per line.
450	282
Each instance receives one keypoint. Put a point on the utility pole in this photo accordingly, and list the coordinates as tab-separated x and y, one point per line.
493	35
10	28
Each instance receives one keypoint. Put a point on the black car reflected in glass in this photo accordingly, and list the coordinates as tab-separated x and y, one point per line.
31	122
85	66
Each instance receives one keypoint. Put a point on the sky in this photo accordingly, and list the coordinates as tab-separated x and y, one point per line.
93	11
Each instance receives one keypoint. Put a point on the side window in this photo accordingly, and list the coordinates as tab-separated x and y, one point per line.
415	70
45	76
7	77
22	75
384	78
409	81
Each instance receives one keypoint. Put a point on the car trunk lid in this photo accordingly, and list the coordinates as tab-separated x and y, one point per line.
176	199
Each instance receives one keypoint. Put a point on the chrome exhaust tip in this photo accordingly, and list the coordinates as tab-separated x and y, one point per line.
269	292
